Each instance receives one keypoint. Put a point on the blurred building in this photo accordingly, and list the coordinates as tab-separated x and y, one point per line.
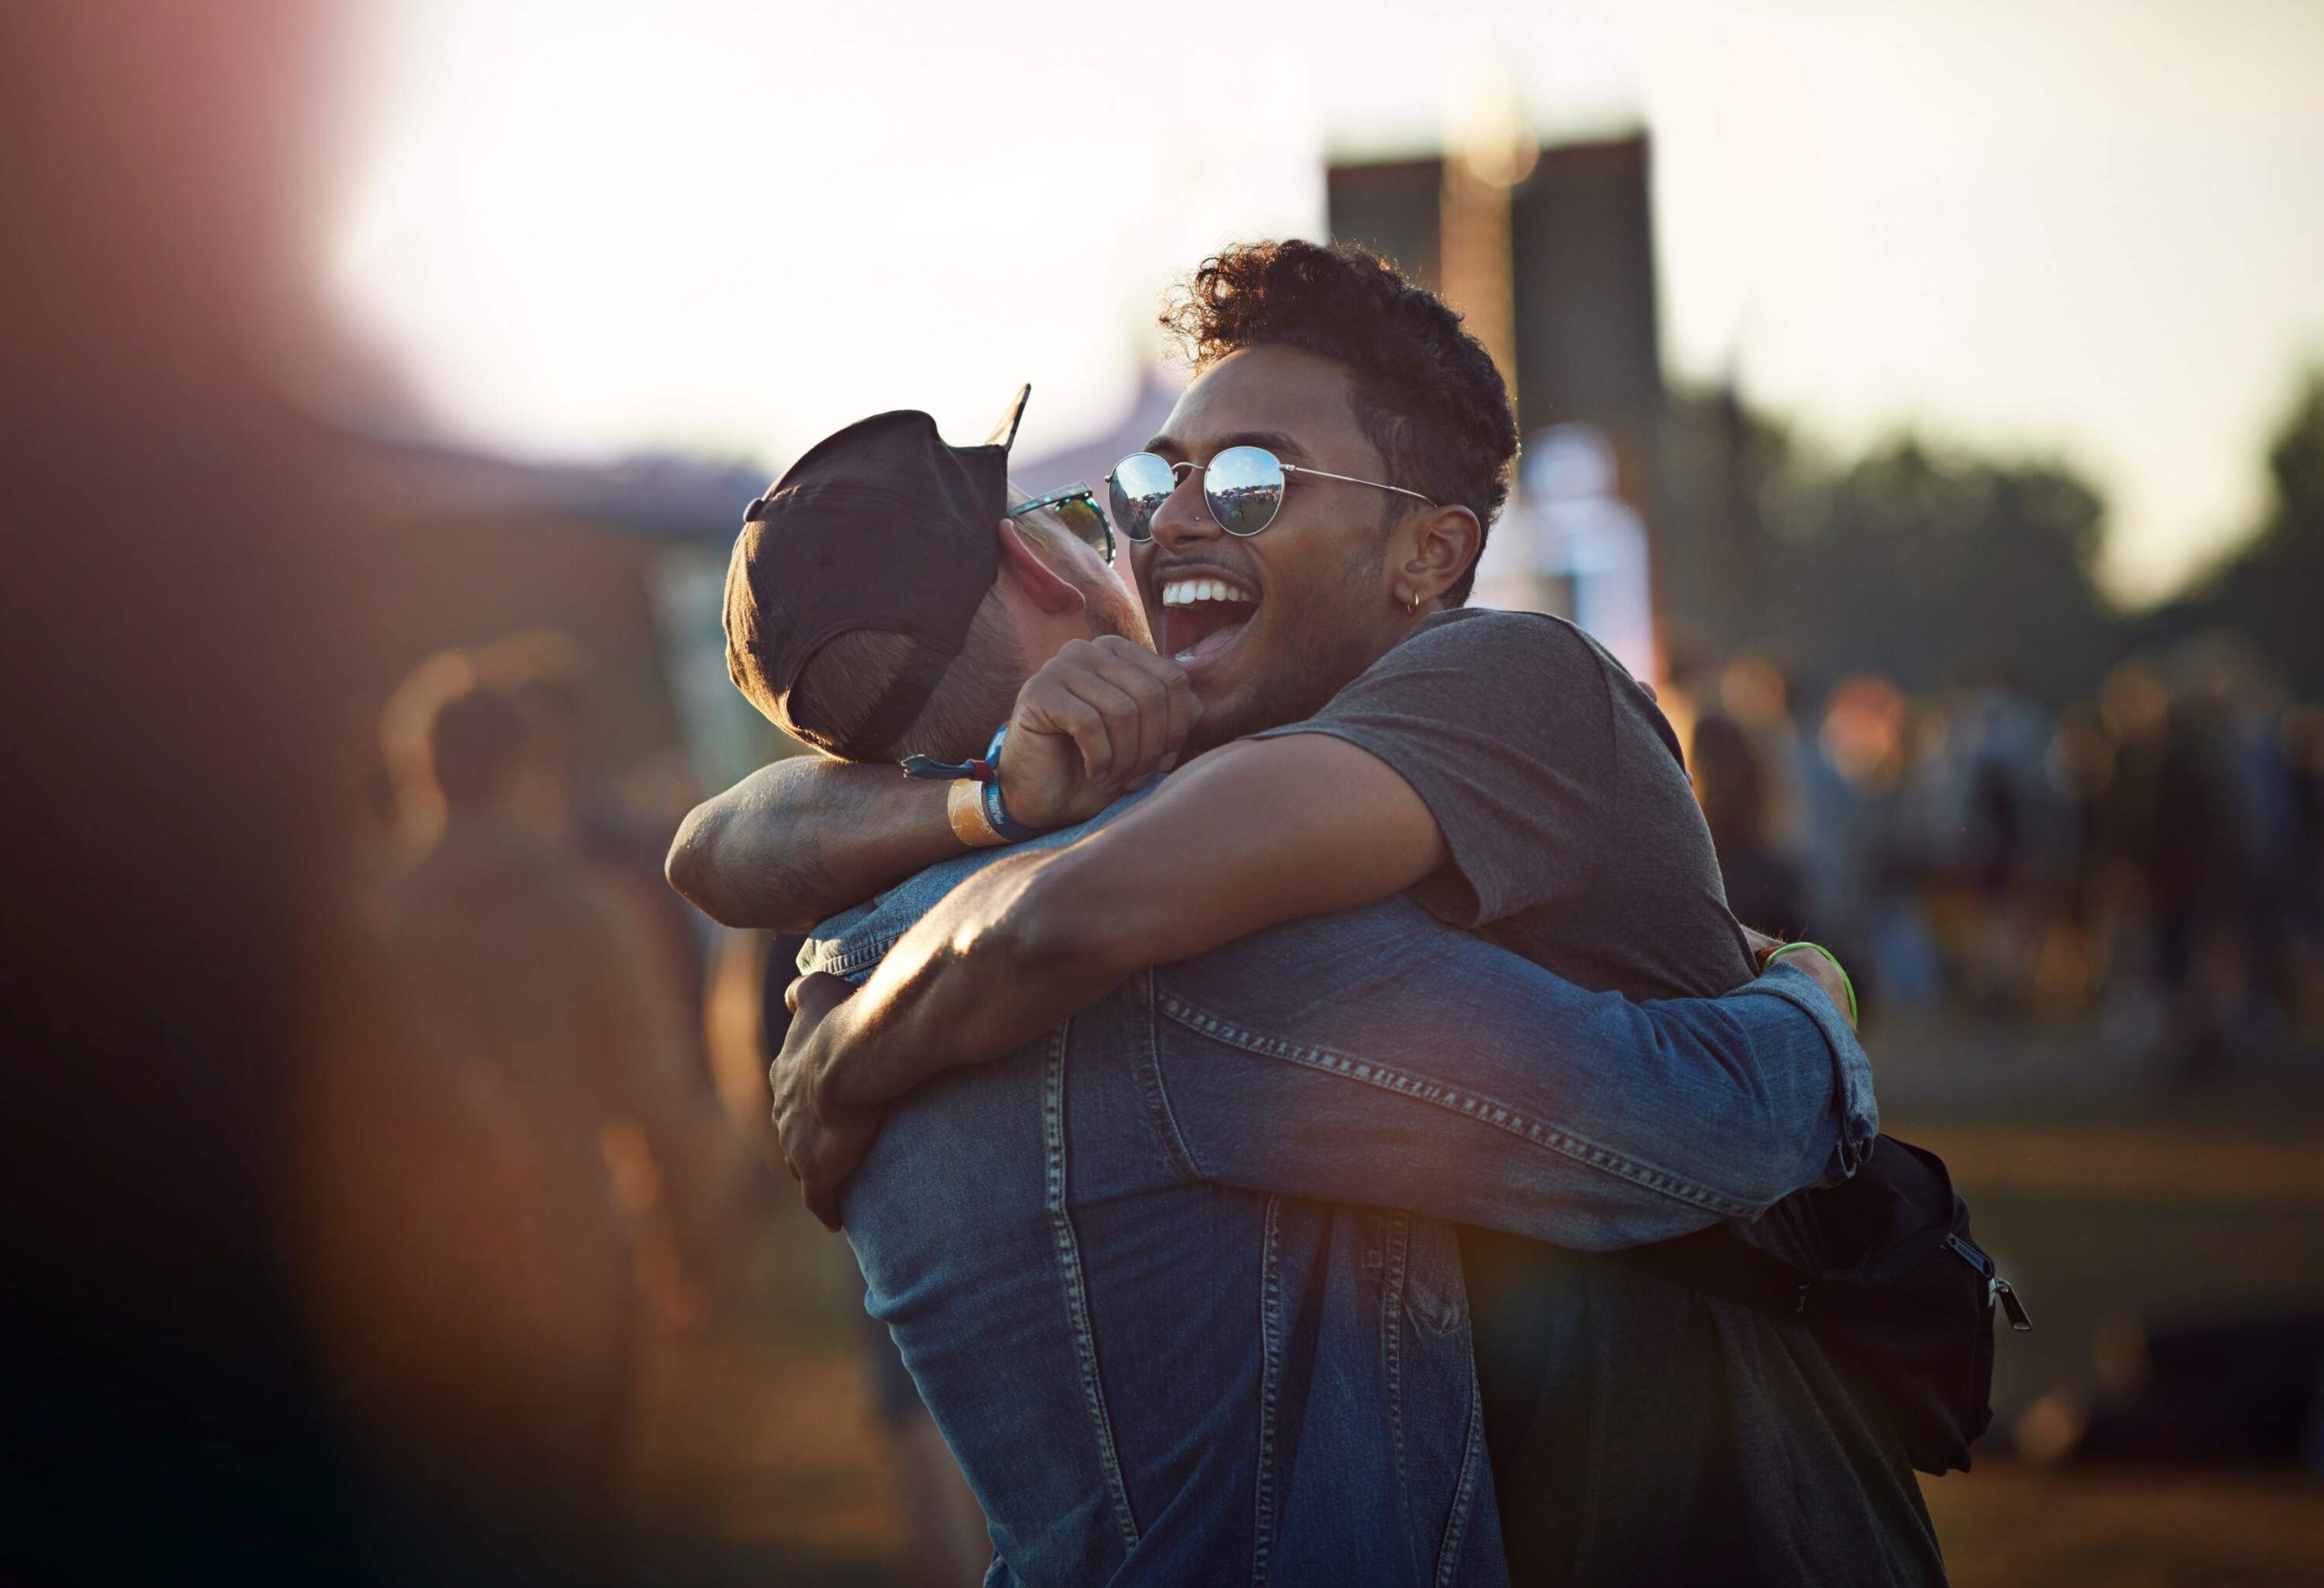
1549	254
626	556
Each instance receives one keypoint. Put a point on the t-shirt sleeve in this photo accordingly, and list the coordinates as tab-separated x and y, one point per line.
1505	724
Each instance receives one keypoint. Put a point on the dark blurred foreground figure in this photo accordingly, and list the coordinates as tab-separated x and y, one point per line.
483	1174
169	690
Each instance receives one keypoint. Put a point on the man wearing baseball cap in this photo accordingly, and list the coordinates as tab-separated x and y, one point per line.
884	557
1137	1266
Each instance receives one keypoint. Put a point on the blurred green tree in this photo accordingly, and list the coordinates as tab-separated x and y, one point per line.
1930	567
2270	590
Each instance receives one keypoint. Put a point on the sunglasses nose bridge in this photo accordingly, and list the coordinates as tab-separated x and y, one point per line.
1183	515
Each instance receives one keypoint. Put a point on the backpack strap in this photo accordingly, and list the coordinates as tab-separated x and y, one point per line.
1721	1261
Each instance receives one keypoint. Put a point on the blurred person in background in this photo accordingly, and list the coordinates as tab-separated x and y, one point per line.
2206	860
2134	709
1868	839
2010	831
1757	695
517	1159
1763	885
2303	738
2079	948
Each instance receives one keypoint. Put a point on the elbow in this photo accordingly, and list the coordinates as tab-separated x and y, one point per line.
688	866
1781	1150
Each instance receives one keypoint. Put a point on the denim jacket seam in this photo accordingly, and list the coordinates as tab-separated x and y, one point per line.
1270	1384
1465	1492
1074	1294
1392	1332
1470	1105
856	956
1154	1091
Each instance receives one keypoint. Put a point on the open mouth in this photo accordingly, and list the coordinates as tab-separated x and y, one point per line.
1201	617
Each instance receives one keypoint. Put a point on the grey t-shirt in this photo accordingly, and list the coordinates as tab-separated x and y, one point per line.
1557	783
1618	1402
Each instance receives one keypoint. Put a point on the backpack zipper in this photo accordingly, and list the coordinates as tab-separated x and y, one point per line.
1968	1253
1997	1289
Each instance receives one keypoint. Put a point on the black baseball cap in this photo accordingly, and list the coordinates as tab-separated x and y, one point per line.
882	526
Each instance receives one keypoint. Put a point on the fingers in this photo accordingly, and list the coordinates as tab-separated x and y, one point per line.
816	994
822	1159
1127	709
822	1202
1099	719
1163	699
801	1137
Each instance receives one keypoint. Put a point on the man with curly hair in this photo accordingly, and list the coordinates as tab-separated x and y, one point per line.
1371	752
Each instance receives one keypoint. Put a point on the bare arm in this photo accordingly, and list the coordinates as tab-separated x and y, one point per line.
1256	833
798	841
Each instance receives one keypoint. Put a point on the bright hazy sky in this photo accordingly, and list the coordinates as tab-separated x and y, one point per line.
2094	229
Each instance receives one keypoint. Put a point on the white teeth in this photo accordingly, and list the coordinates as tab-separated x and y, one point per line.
1187	656
1186	592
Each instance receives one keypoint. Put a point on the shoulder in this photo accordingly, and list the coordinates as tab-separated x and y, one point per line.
1530	642
1497	663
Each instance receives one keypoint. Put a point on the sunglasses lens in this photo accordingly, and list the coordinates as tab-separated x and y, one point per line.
1243	485
1082	516
1139	487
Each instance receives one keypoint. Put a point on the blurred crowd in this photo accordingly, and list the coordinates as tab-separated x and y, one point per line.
2152	859
541	1022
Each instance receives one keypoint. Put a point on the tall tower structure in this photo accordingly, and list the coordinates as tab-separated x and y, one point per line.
1549	254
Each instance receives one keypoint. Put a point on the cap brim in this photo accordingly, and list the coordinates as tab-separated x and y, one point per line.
1004	434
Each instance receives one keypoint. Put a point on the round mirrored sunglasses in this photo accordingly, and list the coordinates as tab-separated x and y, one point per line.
1242	485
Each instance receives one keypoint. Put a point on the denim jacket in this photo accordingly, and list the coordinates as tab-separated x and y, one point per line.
1180	1282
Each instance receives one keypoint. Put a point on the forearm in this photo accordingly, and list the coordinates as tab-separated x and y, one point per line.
1229	845
979	976
799	841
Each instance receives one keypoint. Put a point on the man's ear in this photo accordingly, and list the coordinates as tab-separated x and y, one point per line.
1445	543
1041	585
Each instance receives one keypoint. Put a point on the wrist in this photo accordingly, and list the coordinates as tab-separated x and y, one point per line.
971	823
1769	958
998	817
1007	817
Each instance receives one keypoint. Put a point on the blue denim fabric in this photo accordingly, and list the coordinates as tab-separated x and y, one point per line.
1144	1274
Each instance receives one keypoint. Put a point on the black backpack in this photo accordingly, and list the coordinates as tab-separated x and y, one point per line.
1882	1267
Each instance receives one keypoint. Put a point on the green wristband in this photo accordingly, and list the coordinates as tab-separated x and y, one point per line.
1782	948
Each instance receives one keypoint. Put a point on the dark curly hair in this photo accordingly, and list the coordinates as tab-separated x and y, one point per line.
1427	394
